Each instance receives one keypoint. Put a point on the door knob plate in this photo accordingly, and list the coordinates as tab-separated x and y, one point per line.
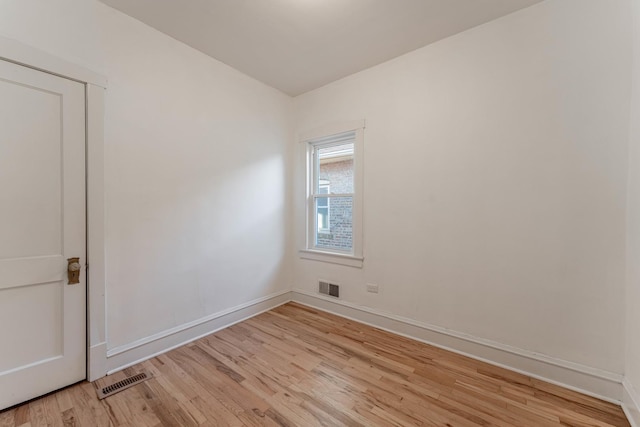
73	271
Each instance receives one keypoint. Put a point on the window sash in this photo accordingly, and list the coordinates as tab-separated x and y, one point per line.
327	142
316	185
321	189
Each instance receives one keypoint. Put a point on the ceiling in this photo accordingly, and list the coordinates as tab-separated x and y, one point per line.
300	45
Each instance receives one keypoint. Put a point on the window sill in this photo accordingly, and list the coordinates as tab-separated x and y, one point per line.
331	257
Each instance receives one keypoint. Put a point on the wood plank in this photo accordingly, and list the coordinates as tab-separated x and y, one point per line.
296	366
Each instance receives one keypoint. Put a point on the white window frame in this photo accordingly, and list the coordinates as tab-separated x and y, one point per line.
355	258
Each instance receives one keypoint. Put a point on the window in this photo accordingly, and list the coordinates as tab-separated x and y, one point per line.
334	197
333	186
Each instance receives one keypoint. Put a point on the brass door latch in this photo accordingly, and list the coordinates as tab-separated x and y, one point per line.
73	271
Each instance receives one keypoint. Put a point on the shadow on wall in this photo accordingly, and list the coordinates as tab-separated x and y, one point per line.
219	243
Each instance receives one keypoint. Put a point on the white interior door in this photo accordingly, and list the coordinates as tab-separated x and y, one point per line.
42	223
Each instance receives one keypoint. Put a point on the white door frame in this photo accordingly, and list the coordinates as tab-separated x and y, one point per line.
95	85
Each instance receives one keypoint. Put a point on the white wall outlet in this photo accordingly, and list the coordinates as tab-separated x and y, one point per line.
372	288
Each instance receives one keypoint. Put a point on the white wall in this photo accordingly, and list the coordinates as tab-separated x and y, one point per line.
495	179
632	368
196	201
195	168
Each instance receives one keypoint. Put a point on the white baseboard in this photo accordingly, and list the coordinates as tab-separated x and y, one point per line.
146	348
631	403
584	379
97	361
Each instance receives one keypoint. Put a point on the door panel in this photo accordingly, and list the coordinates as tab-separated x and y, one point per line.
30	172
42	223
19	304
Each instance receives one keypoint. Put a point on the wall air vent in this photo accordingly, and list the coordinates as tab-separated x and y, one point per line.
330	289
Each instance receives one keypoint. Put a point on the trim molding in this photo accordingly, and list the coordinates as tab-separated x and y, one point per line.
97	363
127	355
584	379
631	402
96	286
19	53
331	257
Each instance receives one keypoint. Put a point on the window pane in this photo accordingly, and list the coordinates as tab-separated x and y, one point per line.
334	223
335	169
322	215
323	220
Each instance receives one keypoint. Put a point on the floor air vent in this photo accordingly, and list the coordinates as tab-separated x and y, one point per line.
329	289
122	385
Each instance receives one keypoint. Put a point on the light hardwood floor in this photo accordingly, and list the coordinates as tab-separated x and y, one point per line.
295	366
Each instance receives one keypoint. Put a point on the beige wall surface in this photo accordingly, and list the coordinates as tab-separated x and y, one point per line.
495	181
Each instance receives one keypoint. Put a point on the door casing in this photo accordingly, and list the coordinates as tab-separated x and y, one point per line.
95	87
